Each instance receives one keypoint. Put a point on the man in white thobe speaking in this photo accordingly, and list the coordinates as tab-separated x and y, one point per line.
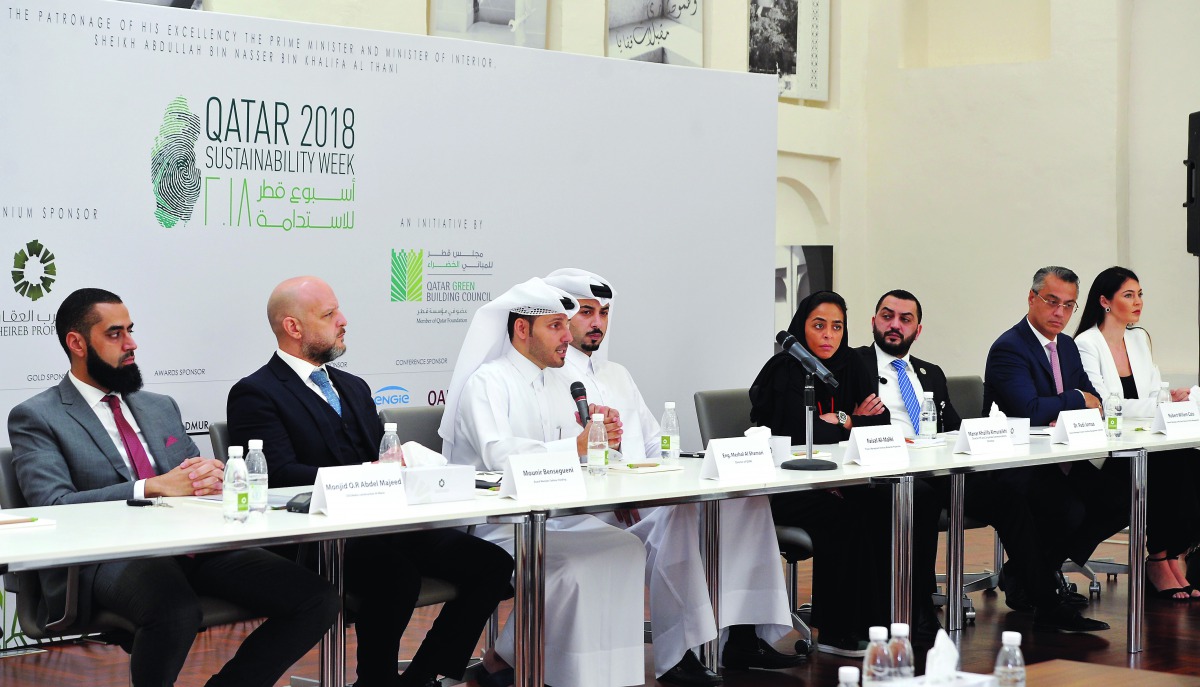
502	402
754	605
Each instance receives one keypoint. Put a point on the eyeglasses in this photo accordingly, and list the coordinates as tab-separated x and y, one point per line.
1069	307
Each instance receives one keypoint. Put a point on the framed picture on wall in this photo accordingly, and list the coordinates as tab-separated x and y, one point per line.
773	37
663	31
799	272
509	22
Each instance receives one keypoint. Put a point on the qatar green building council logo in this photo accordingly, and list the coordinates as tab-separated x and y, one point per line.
407	275
173	172
33	271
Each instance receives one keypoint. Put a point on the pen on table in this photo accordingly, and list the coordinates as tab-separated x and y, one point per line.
694	454
16	521
642	465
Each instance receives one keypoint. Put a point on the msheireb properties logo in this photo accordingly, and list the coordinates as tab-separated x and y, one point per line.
173	172
33	270
408	275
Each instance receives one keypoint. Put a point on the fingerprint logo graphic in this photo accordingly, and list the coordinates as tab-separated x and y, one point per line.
33	270
173	170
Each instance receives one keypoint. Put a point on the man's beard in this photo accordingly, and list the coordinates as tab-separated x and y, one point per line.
322	355
589	346
896	350
123	379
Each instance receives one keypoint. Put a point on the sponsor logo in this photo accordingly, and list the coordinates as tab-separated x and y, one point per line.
33	271
173	172
407	275
437	397
392	396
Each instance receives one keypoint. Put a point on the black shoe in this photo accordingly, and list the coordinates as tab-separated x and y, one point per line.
1064	618
1016	596
500	678
1067	596
848	646
690	671
763	655
925	626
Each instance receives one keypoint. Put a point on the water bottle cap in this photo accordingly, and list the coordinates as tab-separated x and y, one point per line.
669	405
1010	638
389	426
877	633
598	418
235	451
899	629
254	444
928	394
848	674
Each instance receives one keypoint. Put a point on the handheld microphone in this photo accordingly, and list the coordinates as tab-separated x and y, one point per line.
579	394
808	360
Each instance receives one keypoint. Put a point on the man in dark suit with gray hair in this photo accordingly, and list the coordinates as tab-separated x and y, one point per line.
97	437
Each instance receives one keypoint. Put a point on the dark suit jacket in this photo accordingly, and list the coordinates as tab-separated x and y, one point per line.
932	379
1018	377
62	454
299	433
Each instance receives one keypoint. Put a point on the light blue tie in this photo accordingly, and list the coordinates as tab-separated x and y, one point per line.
907	393
321	379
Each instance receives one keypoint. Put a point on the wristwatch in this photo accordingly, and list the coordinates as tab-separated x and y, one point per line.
843	418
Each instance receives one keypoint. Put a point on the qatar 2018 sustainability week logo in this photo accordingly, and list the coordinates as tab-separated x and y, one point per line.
173	172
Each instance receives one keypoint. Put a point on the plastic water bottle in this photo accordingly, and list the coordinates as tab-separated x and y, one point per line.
235	493
1112	415
597	454
929	418
1164	393
901	651
1010	663
847	676
389	446
670	433
256	474
877	664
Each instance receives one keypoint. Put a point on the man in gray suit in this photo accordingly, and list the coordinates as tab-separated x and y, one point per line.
96	437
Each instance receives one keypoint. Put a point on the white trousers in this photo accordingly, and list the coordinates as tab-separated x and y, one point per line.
752	585
594	603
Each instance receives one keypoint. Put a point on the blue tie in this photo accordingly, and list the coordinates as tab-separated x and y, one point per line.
907	393
321	379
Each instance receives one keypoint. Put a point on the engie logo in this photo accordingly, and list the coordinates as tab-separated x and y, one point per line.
391	396
407	275
173	172
33	270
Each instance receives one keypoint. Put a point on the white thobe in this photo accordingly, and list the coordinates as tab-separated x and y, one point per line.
681	615
594	599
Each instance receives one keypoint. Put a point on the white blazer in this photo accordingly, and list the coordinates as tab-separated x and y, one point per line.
1102	369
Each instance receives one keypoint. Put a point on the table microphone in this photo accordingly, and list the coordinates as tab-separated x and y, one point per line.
579	394
808	360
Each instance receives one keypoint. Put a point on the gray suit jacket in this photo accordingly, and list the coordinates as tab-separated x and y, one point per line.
62	454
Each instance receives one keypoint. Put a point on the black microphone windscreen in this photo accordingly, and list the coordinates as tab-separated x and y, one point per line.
578	390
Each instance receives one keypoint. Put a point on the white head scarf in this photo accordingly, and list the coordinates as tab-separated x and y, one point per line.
488	335
583	284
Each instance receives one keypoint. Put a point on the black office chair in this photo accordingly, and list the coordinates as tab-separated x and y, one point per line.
218	435
726	413
419	424
27	588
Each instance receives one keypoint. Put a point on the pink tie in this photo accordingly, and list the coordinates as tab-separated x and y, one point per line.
133	447
1054	367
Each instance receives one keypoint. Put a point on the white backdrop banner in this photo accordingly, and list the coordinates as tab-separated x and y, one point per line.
189	161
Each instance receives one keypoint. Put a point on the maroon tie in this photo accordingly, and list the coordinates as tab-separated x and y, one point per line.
133	447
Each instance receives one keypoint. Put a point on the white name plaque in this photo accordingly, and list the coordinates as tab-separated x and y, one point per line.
983	435
351	490
1177	420
877	446
1079	428
544	477
739	459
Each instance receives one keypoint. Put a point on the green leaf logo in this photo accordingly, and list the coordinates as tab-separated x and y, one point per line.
407	275
33	270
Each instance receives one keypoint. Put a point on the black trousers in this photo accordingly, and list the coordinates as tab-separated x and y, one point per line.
159	596
385	572
852	544
1173	502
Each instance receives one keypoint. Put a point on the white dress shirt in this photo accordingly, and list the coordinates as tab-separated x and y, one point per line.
305	370
95	400
610	384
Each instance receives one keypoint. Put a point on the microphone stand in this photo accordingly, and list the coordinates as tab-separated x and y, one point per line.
808	462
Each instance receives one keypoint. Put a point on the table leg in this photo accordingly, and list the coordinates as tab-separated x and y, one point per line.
902	517
954	553
712	572
333	644
1137	546
529	611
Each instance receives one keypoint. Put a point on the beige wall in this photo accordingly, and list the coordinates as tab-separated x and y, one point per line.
965	144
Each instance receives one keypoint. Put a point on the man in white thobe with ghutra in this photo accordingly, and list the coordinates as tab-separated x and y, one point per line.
501	402
754	605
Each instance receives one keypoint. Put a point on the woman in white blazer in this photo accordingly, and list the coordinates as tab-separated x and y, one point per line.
1117	358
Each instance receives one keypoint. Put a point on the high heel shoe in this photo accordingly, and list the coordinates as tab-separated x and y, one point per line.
1168	594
